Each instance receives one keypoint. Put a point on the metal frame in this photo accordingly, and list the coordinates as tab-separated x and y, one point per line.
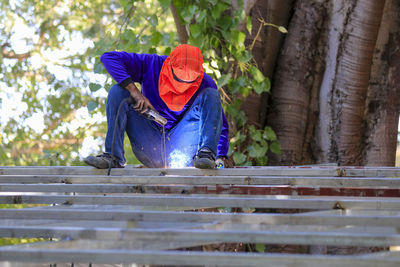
144	216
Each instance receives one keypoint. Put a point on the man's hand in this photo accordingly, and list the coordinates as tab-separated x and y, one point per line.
142	103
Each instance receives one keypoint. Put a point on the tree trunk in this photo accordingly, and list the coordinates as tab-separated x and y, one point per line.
297	81
319	107
267	43
384	91
352	78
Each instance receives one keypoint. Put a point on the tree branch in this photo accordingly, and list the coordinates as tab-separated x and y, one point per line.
182	33
11	54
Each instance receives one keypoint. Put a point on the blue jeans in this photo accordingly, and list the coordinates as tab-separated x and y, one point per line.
199	127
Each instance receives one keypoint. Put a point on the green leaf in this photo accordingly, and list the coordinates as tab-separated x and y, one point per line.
269	134
223	80
258	87
257	151
262	161
186	16
200	16
195	30
156	38
164	3
92	105
153	20
282	29
233	86
257	74
260	248
239	158
237	37
94	87
217	10
99	68
167	50
238	138
198	42
224	22
256	136
249	24
244	56
108	86
245	91
275	147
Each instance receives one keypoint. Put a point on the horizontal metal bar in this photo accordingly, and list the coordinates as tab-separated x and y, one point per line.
389	220
284	202
337	238
203	180
188	258
262	170
205	189
308	171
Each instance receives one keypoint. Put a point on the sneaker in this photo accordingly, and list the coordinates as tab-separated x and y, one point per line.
103	161
204	159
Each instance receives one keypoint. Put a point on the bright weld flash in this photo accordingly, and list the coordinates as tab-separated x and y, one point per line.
178	159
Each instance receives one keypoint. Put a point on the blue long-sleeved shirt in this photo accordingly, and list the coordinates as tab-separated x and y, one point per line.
145	69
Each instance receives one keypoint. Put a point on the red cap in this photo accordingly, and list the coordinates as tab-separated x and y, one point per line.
181	75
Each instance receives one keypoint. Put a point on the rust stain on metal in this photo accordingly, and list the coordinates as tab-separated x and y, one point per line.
338	206
247	180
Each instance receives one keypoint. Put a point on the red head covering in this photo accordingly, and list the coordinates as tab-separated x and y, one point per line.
181	75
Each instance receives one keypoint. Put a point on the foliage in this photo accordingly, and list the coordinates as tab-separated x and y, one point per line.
214	27
48	76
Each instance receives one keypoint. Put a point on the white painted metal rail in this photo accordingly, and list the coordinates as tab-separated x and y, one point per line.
153	216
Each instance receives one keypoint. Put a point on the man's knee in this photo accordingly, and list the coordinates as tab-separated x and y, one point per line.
211	96
209	91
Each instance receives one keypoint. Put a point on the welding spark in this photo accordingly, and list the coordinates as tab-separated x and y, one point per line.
178	159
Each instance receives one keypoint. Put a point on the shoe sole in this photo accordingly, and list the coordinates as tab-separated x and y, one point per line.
205	163
96	164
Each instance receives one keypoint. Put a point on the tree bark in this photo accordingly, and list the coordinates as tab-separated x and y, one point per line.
297	81
180	28
267	43
384	91
353	72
